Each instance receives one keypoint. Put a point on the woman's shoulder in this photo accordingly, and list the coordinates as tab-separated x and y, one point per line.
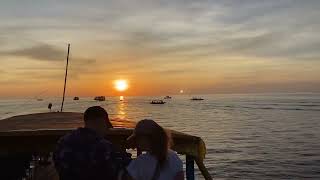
145	157
143	163
175	163
173	156
172	153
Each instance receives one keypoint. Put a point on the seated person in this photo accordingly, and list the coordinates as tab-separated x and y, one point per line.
85	154
159	162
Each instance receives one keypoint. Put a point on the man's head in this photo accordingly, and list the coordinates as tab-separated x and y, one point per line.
96	118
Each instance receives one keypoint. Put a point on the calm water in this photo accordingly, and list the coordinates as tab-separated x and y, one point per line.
257	136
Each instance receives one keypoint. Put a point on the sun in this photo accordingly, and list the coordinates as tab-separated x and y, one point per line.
121	85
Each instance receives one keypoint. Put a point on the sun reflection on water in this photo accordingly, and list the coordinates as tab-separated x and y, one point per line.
122	108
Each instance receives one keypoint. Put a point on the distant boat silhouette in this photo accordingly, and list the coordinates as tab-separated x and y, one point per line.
39	99
196	99
157	102
76	98
100	98
167	97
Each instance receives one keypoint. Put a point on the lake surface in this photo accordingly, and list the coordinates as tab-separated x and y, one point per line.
248	136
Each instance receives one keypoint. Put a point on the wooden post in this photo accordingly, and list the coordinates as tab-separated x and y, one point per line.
189	167
65	80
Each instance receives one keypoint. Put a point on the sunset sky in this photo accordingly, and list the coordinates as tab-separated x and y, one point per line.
159	47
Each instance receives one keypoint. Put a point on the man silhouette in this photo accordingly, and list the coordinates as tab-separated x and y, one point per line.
85	154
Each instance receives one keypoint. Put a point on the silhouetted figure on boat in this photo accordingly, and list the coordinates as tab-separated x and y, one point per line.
85	154
50	106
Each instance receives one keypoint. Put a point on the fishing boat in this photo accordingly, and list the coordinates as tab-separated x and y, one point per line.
196	99
76	98
100	98
157	101
167	97
32	138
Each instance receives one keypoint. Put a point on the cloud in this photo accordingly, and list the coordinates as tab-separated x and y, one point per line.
169	28
2	40
44	52
166	36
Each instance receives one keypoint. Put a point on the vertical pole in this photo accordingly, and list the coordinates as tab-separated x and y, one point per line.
65	79
139	152
189	167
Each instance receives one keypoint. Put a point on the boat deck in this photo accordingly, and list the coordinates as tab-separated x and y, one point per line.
53	120
38	134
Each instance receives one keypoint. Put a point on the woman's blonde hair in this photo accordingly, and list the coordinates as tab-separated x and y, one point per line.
160	141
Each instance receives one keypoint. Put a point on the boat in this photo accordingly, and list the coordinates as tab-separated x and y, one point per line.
158	101
39	99
196	99
167	97
32	138
76	98
100	98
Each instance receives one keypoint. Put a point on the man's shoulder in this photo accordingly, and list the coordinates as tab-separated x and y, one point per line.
71	135
83	135
81	140
84	144
103	145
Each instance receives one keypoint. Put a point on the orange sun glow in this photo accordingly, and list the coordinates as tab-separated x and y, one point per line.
121	85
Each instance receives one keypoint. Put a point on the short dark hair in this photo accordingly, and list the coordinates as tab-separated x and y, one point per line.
96	112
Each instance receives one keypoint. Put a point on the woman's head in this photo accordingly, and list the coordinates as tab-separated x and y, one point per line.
151	137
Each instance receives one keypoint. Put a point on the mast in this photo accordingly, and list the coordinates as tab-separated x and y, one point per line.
65	79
